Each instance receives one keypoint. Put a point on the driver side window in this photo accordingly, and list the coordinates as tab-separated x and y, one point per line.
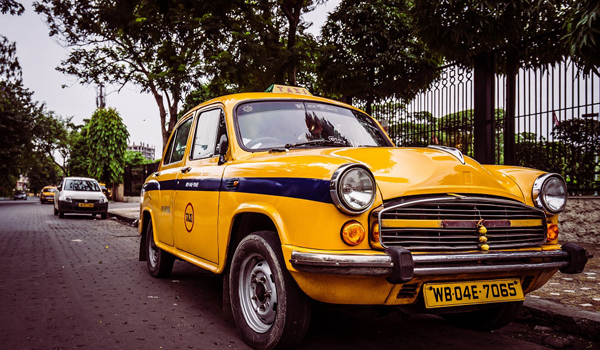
178	142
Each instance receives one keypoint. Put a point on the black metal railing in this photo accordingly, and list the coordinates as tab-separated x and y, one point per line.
556	119
134	178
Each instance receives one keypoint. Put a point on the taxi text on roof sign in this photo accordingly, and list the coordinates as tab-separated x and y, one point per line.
284	89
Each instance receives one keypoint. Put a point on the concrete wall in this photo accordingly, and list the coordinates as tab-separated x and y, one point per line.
580	222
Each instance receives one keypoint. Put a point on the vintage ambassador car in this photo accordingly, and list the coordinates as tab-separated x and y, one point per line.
293	198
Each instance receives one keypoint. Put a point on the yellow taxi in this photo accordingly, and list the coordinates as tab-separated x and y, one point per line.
294	198
47	194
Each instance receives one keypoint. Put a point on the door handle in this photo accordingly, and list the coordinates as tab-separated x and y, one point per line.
186	169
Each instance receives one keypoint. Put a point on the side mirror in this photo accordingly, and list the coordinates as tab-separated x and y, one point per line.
223	145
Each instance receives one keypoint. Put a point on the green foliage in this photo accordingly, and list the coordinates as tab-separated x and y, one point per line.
583	34
135	158
79	161
54	135
257	44
107	142
156	46
460	30
368	49
43	171
17	120
574	155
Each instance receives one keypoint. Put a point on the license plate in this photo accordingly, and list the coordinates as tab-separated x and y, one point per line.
469	293
86	205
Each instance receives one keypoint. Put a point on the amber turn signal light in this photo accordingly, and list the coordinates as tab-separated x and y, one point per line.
353	233
375	233
552	232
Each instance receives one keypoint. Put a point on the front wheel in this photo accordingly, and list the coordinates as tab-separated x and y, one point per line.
160	263
268	307
55	211
488	319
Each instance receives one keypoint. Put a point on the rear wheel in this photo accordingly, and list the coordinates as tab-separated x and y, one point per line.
268	307
160	263
488	319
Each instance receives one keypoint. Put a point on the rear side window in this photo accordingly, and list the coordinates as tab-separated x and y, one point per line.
176	149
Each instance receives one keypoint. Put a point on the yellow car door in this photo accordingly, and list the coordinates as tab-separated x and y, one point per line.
196	201
167	179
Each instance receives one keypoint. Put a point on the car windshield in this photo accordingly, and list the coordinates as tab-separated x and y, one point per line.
49	189
269	124
82	185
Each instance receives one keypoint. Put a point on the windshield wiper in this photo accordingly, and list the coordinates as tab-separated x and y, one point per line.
318	142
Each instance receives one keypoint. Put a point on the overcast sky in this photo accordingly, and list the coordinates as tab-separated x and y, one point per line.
39	55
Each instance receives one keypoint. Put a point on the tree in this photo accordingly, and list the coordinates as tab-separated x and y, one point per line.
583	34
9	65
42	171
107	142
135	158
17	115
155	45
459	30
53	135
258	44
368	49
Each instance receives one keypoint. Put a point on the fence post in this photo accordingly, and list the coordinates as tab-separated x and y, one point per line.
483	97
510	157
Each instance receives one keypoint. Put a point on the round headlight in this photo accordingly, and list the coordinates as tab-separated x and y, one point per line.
550	193
353	189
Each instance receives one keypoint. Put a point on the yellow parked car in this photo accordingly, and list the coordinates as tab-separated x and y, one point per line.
47	194
293	198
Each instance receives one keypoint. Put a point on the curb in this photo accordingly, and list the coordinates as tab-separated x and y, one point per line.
550	313
123	218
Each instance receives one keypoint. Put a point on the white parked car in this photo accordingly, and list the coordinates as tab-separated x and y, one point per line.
80	195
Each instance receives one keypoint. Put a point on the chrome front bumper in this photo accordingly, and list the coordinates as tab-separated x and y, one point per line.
571	259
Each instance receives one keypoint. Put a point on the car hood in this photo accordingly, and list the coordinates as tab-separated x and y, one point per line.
398	171
83	194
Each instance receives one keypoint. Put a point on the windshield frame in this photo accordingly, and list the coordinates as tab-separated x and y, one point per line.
238	132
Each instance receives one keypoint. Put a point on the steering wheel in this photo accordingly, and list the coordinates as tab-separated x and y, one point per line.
264	140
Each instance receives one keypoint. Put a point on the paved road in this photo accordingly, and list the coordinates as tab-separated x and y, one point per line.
76	283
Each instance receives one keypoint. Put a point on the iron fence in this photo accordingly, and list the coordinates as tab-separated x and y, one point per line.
556	119
135	175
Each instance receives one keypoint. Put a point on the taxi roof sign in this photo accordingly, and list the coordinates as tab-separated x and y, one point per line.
284	89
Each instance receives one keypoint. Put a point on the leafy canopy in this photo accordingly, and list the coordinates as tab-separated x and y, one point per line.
107	142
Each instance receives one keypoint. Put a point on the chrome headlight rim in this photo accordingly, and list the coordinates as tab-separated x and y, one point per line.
540	186
334	189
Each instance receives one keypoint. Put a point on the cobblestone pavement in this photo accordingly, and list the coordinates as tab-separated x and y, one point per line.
580	291
75	283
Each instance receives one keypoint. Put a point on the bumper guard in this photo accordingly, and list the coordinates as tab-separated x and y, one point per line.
400	265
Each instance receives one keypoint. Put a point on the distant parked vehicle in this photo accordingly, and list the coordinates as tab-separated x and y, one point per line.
107	192
47	194
80	195
20	195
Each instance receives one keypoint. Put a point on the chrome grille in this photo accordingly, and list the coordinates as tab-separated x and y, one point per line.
509	224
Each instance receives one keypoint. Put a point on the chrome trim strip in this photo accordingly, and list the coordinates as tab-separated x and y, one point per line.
428	271
427	264
453	151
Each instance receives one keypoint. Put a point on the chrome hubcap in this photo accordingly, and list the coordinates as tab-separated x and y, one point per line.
152	251
258	295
